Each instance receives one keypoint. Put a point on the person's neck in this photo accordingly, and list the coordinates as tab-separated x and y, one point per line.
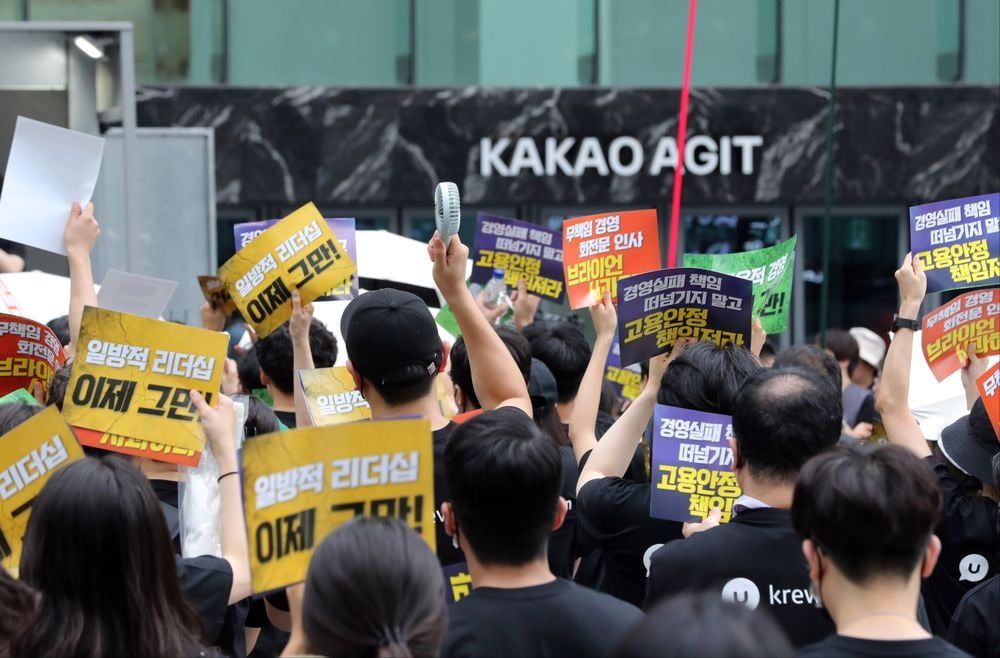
565	411
282	401
504	576
845	379
776	495
154	470
425	407
989	491
885	609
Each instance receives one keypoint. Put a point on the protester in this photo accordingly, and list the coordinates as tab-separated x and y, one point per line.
461	372
373	588
503	479
871	351
97	551
275	358
394	353
696	625
613	511
562	347
781	418
859	403
812	358
866	517
968	530
60	327
974	626
17	604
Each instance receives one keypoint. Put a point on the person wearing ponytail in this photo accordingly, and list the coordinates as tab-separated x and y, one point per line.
373	588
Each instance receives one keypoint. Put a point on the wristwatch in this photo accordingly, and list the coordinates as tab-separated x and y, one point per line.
903	323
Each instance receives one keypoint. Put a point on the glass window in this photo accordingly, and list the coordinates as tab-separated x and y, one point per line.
982	41
864	255
319	42
715	233
419	223
510	42
10	10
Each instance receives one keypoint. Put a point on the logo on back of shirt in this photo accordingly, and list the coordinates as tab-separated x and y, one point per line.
647	557
741	590
973	568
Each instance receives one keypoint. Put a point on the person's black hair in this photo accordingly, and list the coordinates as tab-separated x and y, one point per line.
461	370
706	377
547	419
784	417
871	509
98	552
248	371
563	348
60	327
767	350
261	419
844	347
504	476
812	358
418	384
374	588
274	353
13	414
17	607
692	625
57	386
610	402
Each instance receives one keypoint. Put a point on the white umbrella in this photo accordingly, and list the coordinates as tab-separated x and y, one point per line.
36	295
385	258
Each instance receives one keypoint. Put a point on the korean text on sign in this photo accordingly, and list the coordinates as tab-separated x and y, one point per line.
331	397
132	377
216	294
299	252
692	463
301	484
771	271
625	380
343	230
989	389
948	330
523	251
657	308
958	242
28	455
598	250
29	353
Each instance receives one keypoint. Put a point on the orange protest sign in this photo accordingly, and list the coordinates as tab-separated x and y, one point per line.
128	445
29	353
948	331
600	249
989	389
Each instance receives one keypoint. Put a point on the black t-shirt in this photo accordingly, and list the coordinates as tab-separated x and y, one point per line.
613	516
555	619
755	559
562	543
287	418
446	551
975	627
970	549
837	646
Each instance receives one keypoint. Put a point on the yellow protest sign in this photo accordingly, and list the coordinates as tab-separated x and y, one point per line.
131	376
29	454
331	397
301	484
216	294
299	252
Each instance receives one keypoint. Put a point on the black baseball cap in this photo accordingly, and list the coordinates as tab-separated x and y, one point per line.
541	385
391	337
970	443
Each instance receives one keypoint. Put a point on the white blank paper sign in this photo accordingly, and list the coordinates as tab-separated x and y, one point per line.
48	169
137	294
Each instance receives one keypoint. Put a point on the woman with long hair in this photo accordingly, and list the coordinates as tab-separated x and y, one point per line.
98	553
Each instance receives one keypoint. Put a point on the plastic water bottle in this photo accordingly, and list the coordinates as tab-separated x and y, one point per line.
496	291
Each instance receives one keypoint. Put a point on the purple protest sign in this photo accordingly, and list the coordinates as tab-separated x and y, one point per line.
624	380
657	308
523	251
692	463
958	242
343	228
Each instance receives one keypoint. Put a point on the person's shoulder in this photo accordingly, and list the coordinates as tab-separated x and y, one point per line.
602	603
612	491
839	645
203	564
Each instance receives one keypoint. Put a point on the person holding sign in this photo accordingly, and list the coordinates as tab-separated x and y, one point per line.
869	577
781	419
394	353
504	477
970	543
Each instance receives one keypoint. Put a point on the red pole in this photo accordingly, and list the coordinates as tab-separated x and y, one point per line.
682	122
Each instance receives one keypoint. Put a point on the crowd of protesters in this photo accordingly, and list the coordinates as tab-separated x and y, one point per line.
838	545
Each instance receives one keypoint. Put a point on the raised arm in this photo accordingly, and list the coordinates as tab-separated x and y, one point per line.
80	236
973	369
894	387
495	376
219	424
582	422
302	358
614	451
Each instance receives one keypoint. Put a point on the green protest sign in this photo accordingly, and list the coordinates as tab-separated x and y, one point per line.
771	270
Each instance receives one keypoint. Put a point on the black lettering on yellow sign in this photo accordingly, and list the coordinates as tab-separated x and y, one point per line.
316	261
399	508
269	299
180	405
104	393
286	534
